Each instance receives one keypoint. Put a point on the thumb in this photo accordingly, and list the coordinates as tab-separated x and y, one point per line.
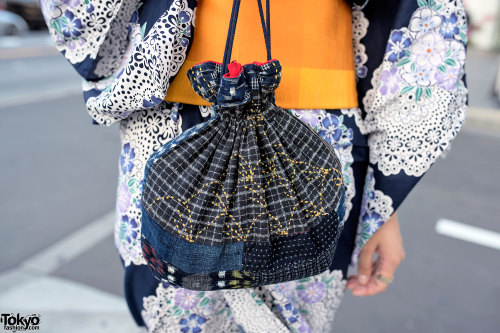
365	264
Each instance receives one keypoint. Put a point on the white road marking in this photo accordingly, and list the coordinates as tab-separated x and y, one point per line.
68	306
65	305
63	294
468	233
70	247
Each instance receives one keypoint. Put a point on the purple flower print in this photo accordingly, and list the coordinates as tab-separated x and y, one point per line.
331	132
89	8
285	288
424	19
192	323
390	81
449	79
184	16
76	43
346	139
361	71
126	158
71	3
124	196
421	76
397	46
429	51
184	41
186	299
289	312
129	228
371	221
70	25
183	19
152	101
309	116
135	16
304	326
140	188
449	28
313	293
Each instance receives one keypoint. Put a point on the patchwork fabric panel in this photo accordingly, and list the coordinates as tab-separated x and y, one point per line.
254	190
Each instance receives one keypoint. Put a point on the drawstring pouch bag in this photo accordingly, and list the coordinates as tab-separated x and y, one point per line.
251	197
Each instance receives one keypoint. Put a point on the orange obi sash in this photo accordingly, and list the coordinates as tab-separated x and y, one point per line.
312	42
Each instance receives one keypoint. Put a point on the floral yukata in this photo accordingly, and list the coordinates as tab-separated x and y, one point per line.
409	58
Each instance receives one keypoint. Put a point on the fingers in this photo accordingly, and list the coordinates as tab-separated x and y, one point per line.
386	266
387	243
373	286
364	268
365	264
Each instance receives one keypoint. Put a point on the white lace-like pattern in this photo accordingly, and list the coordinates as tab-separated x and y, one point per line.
376	209
307	305
316	314
172	310
105	65
79	28
142	133
326	124
143	81
359	29
418	101
113	50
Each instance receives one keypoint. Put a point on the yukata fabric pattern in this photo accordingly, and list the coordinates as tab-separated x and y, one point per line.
412	98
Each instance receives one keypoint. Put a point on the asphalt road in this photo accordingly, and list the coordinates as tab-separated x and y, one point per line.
59	173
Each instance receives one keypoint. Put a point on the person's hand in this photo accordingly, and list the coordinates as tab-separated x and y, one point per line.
388	244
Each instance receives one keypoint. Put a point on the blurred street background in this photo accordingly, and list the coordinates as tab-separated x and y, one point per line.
59	178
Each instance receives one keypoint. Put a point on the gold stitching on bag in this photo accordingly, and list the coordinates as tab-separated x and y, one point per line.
239	233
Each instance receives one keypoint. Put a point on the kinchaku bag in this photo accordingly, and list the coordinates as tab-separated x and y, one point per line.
251	197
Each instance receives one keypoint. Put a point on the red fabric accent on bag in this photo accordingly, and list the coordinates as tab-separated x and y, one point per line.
235	70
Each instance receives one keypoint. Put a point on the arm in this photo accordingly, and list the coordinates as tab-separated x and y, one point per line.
388	244
127	52
414	102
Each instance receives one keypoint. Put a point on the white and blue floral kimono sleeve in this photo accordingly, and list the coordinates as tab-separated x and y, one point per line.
412	94
127	64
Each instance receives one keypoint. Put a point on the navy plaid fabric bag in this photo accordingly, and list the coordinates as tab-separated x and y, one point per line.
251	197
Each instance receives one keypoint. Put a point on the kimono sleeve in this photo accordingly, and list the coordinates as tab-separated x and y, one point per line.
414	99
86	31
127	51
